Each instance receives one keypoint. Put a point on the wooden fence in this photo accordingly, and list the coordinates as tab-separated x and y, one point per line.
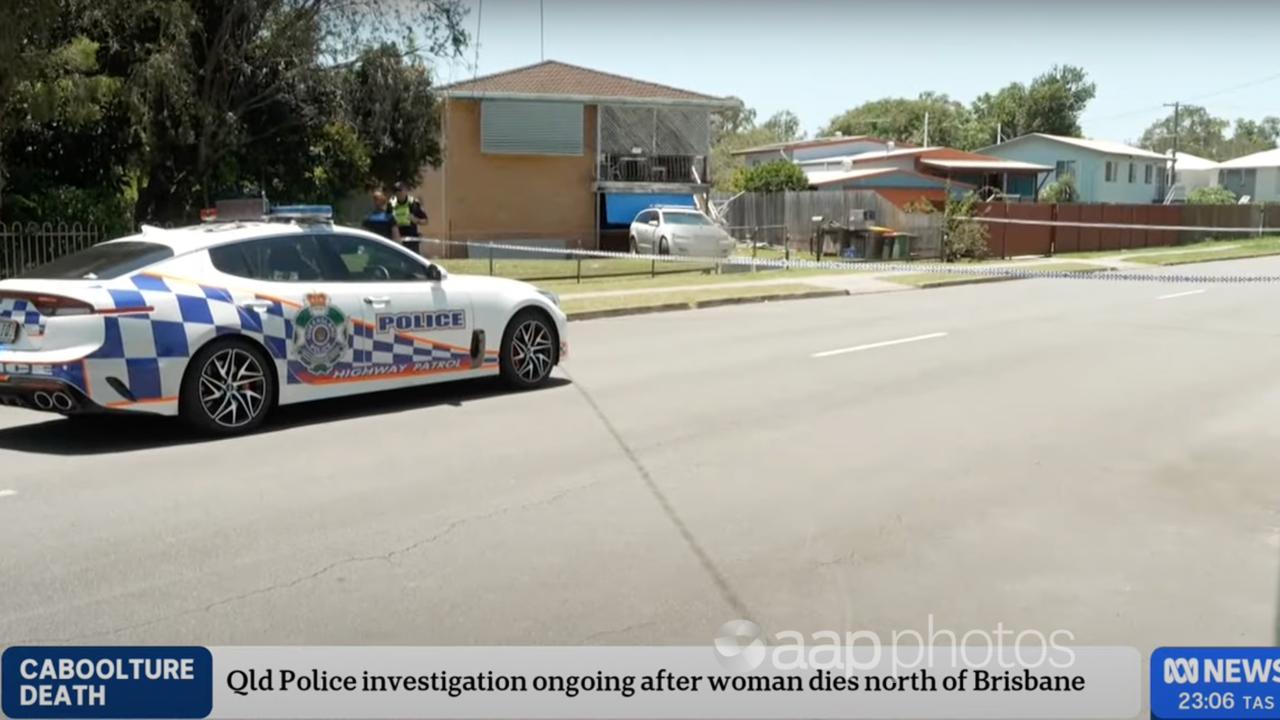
24	246
1012	240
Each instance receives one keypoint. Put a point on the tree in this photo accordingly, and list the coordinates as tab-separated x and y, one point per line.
212	69
903	120
1252	136
390	102
770	177
51	78
784	125
735	129
1051	104
735	119
1213	195
1199	133
1055	101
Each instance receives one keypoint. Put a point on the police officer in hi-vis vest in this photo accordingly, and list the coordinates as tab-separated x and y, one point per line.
407	212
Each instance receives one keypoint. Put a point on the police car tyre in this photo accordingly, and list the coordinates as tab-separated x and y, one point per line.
663	247
229	387
528	351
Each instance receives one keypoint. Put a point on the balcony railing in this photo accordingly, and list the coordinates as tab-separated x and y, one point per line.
653	168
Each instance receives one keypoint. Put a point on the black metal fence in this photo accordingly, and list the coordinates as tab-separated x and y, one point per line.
24	246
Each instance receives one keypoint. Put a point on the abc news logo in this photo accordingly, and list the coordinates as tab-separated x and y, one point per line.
1189	671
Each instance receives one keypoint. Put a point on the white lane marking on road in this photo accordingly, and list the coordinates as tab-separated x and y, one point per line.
7	493
872	346
1180	294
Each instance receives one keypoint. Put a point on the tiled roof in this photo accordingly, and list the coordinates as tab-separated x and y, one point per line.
553	78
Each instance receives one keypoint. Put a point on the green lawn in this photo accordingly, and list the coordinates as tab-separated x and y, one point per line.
568	287
1176	254
559	268
1202	252
689	298
932	280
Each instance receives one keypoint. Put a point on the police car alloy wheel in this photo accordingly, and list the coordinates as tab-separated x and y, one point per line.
228	388
528	350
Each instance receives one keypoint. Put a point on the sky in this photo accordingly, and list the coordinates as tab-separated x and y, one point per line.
819	58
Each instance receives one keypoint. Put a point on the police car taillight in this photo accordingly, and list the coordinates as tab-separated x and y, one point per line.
54	305
58	306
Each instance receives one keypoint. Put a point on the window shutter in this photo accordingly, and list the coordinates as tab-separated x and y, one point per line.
522	127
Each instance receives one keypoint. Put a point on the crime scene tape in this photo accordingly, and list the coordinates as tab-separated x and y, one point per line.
876	266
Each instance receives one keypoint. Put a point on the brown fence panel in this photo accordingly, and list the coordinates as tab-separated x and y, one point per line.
1067	239
1141	216
1112	238
1164	215
1090	238
1192	216
1271	217
997	233
1030	239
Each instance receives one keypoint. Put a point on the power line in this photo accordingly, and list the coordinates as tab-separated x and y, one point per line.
1215	93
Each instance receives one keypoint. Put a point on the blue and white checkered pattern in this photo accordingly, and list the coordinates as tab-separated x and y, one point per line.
24	313
396	349
184	316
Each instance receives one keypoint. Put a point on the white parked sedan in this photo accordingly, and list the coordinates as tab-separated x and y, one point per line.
218	323
678	231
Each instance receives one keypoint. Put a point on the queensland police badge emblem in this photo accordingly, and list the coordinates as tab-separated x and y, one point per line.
320	335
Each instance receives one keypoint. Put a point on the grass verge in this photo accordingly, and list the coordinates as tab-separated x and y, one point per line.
1225	249
682	300
934	280
1191	254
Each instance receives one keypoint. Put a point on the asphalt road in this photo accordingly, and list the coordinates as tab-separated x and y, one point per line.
1074	455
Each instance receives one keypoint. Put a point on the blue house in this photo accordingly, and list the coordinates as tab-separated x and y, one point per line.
1105	172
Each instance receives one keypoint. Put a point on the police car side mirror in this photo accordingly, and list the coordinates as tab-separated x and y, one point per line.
436	273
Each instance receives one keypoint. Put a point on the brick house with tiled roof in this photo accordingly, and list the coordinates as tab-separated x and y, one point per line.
558	154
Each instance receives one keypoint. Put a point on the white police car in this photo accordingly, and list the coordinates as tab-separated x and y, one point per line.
220	322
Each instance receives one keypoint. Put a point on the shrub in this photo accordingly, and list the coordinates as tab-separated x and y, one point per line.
1062	190
1216	195
964	239
776	176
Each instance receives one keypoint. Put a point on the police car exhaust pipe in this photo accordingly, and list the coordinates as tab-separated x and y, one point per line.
42	400
63	401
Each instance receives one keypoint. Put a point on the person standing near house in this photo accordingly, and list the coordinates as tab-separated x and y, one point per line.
408	213
380	220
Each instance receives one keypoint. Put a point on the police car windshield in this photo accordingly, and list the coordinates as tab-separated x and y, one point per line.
101	262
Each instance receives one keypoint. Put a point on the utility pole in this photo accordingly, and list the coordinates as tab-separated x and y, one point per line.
926	128
1173	165
542	41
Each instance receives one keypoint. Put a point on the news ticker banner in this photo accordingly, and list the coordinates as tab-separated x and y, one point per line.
753	681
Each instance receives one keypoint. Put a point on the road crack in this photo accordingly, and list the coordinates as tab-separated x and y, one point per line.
388	557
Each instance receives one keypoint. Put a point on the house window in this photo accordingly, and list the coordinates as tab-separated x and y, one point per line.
521	127
1064	168
1111	171
1133	171
1147	173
